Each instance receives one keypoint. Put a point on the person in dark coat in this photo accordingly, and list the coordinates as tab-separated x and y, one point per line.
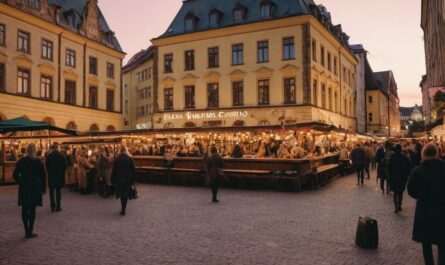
427	186
237	151
123	176
31	177
398	173
56	164
214	166
358	158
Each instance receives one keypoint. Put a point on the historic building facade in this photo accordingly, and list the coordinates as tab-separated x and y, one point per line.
360	86
59	63
140	84
230	63
433	25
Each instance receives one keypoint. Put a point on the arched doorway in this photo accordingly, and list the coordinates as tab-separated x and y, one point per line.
71	125
2	117
94	128
111	128
49	120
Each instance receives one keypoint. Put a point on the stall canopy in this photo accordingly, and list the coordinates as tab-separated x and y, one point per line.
23	125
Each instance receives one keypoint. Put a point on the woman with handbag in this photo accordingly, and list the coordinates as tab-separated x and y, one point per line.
123	177
31	177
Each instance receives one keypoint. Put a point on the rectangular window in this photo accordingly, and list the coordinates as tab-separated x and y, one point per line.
289	91
168	63
212	95
335	102
330	99
323	96
237	54
110	100
322	56
238	93
23	42
23	81
238	14
349	77
2	35
34	4
288	48
344	75
70	92
70	58
335	66
370	117
370	99
93	97
189	97
2	76
263	92
47	50
149	92
329	62
263	52
189	60
126	106
93	66
110	70
314	50
213	57
46	87
168	99
315	92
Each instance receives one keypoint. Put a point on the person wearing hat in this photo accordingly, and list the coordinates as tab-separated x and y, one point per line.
399	168
56	165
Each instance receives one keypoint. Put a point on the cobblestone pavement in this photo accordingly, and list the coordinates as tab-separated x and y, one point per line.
179	225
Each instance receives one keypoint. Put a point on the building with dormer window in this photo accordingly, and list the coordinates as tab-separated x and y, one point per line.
60	63
254	63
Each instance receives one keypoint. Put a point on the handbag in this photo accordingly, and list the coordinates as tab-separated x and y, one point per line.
133	193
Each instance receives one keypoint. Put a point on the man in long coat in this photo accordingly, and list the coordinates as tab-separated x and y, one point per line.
427	186
56	165
398	171
214	166
358	158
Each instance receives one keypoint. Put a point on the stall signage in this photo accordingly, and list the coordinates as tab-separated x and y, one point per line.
190	116
143	126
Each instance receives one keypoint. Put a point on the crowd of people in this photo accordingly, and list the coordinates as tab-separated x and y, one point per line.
418	167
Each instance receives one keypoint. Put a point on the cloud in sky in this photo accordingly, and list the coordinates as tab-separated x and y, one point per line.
389	30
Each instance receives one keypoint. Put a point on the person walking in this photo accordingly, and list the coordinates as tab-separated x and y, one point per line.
398	173
123	176
83	166
427	186
369	156
31	177
56	165
358	158
104	167
214	166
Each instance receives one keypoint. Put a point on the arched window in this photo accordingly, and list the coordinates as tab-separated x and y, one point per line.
111	128
239	13
214	17
71	125
94	128
34	4
49	120
190	22
266	7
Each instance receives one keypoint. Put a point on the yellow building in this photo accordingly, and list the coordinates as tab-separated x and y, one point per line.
140	82
230	63
59	63
382	103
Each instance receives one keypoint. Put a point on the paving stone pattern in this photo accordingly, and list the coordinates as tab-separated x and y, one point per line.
179	225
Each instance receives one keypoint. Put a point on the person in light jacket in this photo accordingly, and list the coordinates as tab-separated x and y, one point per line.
427	186
123	177
31	177
83	165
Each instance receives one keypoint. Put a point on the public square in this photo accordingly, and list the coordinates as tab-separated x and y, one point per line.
179	225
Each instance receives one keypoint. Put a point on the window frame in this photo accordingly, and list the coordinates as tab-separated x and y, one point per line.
2	77
20	83
3	34
288	99
189	60
70	54
189	97
289	49
48	86
170	98
238	54
212	95
111	70
90	60
238	93
263	92
110	106
314	49
263	50
73	99
213	57
94	89
168	58
20	41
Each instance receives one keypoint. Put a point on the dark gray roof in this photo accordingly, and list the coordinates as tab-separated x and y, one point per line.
139	58
357	48
387	82
371	83
200	10
407	111
77	8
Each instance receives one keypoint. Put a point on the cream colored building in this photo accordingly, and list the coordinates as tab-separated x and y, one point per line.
230	63
140	82
59	63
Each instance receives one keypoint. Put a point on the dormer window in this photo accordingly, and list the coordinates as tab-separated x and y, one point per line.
190	22
239	13
34	4
214	18
266	9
